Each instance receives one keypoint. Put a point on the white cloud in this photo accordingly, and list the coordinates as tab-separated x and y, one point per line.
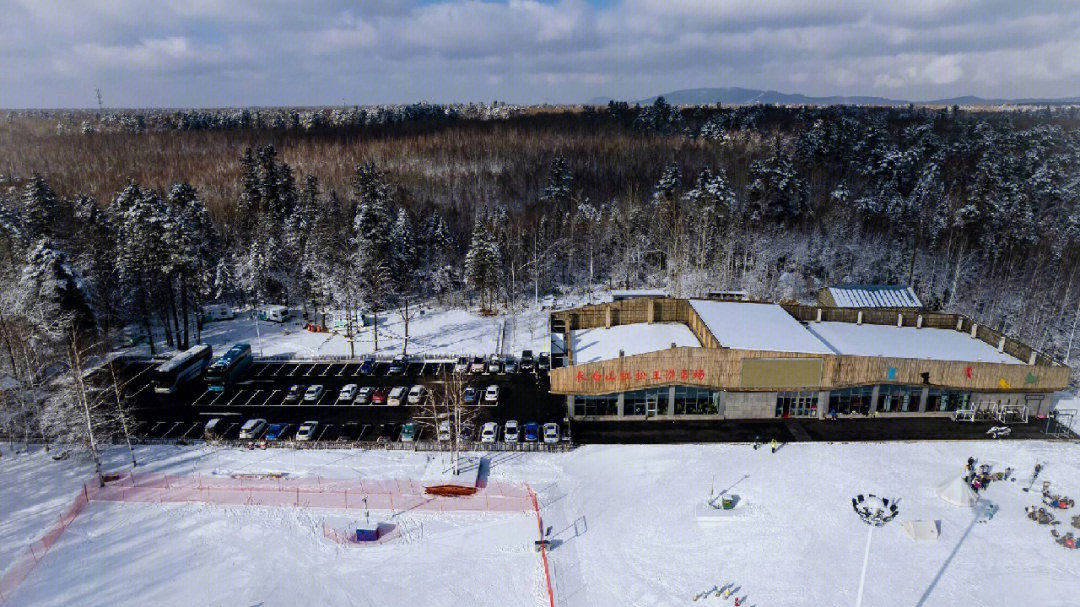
282	52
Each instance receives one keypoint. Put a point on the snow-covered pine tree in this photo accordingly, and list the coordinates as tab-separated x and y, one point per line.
372	224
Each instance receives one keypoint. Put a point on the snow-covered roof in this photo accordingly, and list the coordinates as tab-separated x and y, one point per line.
591	345
907	342
874	296
756	326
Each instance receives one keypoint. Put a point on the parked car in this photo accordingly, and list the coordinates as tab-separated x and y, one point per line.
532	432
314	393
295	393
397	397
469	395
378	397
363	395
491	395
398	365
543	363
443	430
510	365
387	433
551	433
489	433
466	433
416	394
461	365
494	364
477	365
215	428
367	367
252	428
275	431
526	362
408	432
350	431
510	431
347	394
306	431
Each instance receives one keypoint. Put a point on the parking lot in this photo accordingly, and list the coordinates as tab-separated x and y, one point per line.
262	393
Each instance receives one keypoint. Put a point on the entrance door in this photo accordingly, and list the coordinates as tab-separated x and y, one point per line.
652	403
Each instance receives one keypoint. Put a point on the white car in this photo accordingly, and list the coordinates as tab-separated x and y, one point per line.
397	396
489	433
462	365
347	394
363	395
494	364
215	428
252	428
491	395
306	431
551	433
314	393
511	434
416	394
444	430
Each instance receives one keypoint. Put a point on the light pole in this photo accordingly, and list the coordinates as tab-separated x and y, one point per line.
875	512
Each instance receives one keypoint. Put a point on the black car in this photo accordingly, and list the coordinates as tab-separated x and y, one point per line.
367	367
350	431
398	365
543	363
387	433
526	363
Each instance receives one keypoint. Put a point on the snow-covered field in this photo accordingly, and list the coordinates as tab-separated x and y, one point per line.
623	526
437	331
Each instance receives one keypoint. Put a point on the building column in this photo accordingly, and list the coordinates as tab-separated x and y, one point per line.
570	406
874	398
619	406
925	397
671	401
822	403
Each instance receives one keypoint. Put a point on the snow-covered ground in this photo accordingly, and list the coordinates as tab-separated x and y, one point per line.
623	521
437	331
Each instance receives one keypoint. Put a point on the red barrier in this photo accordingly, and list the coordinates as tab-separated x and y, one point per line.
543	546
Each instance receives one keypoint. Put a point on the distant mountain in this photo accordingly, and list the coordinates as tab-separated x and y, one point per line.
741	96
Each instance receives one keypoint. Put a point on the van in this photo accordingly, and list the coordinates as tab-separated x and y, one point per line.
252	428
397	396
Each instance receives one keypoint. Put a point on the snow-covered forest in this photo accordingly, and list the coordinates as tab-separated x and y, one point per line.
114	219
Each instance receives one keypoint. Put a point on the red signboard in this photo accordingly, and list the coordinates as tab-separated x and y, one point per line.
657	375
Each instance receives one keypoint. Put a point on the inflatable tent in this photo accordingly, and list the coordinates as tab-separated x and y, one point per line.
923	530
957	492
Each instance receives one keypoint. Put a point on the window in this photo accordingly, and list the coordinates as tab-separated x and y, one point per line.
652	401
696	401
796	404
945	400
851	400
604	404
899	399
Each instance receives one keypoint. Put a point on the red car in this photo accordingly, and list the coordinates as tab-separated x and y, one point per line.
379	397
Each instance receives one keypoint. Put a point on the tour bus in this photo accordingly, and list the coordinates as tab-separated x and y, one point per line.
274	313
229	367
186	366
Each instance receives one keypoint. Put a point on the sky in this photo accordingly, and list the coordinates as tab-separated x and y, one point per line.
203	53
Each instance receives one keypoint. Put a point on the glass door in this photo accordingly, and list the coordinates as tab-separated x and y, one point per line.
652	403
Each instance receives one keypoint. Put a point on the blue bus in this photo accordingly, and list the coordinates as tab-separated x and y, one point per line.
186	366
229	367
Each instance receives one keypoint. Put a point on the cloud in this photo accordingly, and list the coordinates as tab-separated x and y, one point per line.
210	53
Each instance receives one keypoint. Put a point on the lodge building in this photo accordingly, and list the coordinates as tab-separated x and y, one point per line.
665	358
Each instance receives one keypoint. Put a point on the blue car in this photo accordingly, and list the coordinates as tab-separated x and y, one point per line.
532	432
275	431
367	367
469	395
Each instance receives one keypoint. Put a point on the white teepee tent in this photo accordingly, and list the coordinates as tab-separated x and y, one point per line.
957	492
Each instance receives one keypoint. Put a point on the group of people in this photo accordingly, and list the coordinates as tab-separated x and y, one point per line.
979	478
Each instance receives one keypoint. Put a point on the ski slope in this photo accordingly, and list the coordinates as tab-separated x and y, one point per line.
623	531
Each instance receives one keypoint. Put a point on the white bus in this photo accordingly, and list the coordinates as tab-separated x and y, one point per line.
186	366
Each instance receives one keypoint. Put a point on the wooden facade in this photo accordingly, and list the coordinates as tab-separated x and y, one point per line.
713	366
722	368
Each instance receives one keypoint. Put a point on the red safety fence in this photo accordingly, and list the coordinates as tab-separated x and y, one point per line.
542	545
36	551
396	495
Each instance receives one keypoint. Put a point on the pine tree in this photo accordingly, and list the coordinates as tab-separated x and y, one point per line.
372	224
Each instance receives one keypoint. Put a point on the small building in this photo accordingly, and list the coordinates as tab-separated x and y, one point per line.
625	294
665	358
869	296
